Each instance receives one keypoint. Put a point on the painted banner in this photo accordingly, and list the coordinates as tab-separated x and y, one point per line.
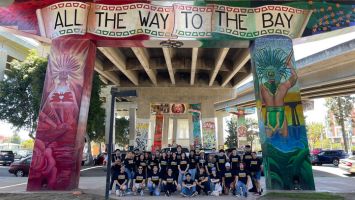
142	131
172	22
158	132
283	137
209	133
240	110
195	109
174	108
60	134
242	128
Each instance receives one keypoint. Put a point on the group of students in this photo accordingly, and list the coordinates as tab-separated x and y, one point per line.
195	174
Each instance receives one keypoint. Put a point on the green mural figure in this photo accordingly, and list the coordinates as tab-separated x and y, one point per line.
273	67
283	136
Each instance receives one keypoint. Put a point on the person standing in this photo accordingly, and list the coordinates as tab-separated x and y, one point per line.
139	181
201	180
183	167
142	163
174	162
202	162
255	172
234	160
192	164
169	183
164	163
242	179
117	155
211	163
178	152
188	187
153	161
221	161
129	167
154	180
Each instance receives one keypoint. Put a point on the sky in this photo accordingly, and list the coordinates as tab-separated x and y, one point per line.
301	50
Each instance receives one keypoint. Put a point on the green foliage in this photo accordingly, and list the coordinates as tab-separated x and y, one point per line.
122	131
341	108
315	134
27	144
252	130
20	92
232	139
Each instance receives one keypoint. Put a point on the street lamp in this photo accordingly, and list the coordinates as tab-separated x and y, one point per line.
114	94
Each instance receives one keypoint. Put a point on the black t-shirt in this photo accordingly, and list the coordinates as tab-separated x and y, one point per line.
243	176
139	177
202	162
142	163
228	176
115	157
122	177
246	158
164	163
210	165
174	164
115	170
215	177
153	162
188	183
255	165
169	179
129	163
222	162
200	177
155	177
193	162
235	160
178	155
183	163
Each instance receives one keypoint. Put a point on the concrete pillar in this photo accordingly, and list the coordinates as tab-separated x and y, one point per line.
175	130
166	131
191	128
107	93
208	124
3	61
220	131
132	125
277	95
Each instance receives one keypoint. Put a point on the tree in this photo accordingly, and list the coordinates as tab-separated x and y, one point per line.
315	134
252	131
232	139
122	131
27	144
20	92
341	108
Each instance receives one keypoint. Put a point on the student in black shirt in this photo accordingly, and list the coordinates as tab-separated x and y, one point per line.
183	168
234	159
211	163
202	162
255	172
228	179
202	181
115	170
122	180
178	152
154	180
141	162
247	157
174	162
164	163
153	161
192	164
242	180
139	181
188	187
221	161
129	167
117	155
169	182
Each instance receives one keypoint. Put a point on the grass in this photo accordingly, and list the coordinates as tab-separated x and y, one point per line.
301	196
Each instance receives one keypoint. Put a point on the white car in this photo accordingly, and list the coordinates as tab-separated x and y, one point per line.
348	164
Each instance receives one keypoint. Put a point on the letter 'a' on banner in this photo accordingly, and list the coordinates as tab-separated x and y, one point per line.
59	143
283	136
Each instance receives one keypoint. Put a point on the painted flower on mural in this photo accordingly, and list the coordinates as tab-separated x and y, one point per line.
43	164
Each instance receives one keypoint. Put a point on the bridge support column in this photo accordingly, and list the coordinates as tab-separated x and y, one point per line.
208	124
3	61
107	93
286	158
60	134
132	125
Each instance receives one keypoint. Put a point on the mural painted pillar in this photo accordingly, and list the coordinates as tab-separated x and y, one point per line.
142	132
284	143
63	114
158	132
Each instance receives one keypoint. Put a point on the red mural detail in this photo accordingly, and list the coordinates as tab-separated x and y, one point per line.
63	114
158	132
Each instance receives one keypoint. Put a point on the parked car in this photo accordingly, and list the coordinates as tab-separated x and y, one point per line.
6	157
22	167
348	164
328	157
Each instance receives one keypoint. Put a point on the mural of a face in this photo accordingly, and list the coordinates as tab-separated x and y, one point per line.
178	108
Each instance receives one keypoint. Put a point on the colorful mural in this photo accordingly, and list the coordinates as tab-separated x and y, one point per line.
159	119
141	136
59	143
282	128
195	109
209	133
